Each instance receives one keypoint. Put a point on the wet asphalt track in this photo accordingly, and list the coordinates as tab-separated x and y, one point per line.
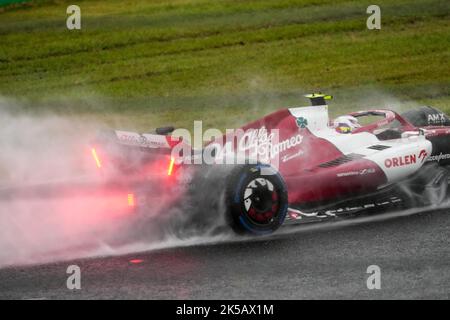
413	253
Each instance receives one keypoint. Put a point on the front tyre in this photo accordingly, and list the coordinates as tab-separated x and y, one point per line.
436	190
257	199
429	188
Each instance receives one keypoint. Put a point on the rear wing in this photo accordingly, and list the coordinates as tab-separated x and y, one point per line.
146	140
128	149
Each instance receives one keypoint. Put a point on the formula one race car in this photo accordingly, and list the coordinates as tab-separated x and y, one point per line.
292	165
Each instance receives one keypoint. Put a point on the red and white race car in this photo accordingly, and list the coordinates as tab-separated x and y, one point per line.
292	165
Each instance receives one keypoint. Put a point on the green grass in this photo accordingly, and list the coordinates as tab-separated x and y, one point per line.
146	63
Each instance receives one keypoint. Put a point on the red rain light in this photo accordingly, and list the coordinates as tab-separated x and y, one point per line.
170	170
130	198
136	261
96	158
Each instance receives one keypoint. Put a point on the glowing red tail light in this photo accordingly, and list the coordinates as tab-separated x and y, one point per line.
131	202
136	261
96	158
170	169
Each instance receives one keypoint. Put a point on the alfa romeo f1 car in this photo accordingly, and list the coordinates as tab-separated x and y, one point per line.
292	165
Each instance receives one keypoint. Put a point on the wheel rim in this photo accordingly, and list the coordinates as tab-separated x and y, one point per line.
261	201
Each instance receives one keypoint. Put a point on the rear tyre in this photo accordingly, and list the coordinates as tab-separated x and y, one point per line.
256	199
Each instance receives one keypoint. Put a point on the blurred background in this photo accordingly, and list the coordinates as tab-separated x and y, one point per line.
141	64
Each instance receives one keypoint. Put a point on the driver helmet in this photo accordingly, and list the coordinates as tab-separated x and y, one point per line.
346	124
